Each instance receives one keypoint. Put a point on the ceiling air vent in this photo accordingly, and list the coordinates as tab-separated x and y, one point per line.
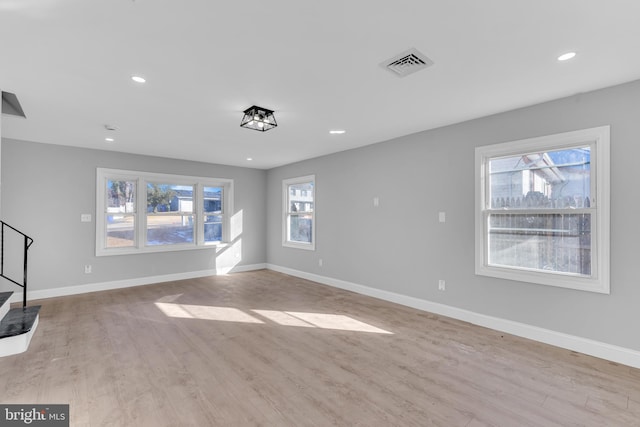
407	62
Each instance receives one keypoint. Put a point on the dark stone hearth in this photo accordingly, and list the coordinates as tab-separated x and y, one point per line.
18	321
4	297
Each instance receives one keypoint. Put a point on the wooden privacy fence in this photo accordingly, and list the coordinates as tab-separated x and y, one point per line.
553	241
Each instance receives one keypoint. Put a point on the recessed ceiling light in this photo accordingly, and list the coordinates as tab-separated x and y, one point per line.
138	79
249	159
109	139
337	131
566	56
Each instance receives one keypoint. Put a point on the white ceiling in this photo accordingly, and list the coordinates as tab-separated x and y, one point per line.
316	63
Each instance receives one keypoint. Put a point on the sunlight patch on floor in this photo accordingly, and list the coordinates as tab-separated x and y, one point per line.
282	318
223	314
169	298
338	322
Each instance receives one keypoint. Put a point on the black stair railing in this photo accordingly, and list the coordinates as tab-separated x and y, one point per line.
27	243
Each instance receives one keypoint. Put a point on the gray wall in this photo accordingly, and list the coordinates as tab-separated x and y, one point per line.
401	247
46	188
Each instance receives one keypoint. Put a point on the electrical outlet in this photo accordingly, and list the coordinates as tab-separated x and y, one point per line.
87	269
441	285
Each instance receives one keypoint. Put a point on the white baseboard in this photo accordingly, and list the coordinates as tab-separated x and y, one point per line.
594	348
140	281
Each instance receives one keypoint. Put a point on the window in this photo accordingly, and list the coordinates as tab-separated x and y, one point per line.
170	219
213	213
141	212
542	210
120	214
298	219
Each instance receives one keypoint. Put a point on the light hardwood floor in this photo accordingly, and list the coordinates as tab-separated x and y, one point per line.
264	348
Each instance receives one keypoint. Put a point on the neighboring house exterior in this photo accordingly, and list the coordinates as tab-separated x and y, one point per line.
525	192
182	201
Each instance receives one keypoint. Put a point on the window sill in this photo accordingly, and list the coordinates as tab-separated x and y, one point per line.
581	283
159	249
304	246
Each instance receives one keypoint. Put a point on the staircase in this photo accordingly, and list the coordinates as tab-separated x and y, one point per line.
17	325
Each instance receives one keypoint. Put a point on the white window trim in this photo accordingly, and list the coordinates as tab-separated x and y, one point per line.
285	212
599	140
141	179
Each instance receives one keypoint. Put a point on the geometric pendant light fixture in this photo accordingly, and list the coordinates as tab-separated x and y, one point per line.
258	118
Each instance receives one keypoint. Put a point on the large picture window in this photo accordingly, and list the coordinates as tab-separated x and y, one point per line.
299	208
542	213
146	212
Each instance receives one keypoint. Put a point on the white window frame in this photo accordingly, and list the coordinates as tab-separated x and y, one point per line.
141	179
286	212
598	139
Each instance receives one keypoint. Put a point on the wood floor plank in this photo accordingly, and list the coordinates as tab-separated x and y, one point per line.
266	349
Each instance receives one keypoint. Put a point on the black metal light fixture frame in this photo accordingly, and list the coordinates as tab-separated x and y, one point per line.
258	118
